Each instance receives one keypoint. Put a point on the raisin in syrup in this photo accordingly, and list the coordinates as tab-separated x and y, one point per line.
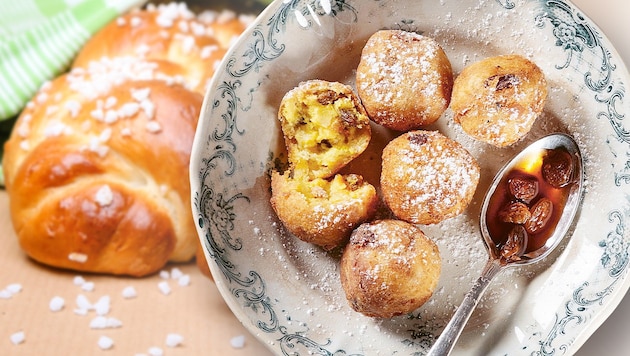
530	168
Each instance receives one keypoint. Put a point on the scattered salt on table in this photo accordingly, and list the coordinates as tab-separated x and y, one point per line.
10	290
78	280
238	342
105	343
14	288
102	305
87	286
83	303
176	273
18	337
56	304
183	280
174	340
101	322
129	292
156	351
164	287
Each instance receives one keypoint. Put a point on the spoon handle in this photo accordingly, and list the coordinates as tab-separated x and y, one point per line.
444	344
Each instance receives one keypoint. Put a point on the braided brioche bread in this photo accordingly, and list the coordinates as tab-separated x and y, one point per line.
167	33
97	163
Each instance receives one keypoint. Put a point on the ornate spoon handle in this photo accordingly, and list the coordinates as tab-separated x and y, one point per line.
444	344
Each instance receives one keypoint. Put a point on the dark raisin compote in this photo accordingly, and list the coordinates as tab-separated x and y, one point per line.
527	204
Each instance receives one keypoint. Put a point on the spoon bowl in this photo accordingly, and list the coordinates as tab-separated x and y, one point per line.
551	165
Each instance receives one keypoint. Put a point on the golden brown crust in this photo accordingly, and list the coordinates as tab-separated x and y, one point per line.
498	99
97	164
96	177
404	79
322	212
427	177
324	127
166	33
389	268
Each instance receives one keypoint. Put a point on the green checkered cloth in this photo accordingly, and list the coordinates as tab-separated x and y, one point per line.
39	38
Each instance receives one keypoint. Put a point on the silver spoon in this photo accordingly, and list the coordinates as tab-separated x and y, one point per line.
516	254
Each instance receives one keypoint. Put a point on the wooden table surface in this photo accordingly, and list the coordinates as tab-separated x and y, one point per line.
196	311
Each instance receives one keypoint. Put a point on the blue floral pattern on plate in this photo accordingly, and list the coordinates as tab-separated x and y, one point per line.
270	280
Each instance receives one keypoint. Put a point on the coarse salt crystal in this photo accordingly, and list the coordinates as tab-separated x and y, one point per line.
41	98
80	311
110	102
78	257
136	21
142	50
198	29
102	305
5	294
101	322
23	130
97	114
83	302
164	287
155	351
78	280
140	94
176	273
111	116
87	286
104	196
24	145
73	107
56	304
164	21
174	340
183	26
55	129
14	288
148	107
129	292
238	342
128	109
105	342
105	135
113	323
188	43
153	127
125	131
164	274
18	337
184	280
207	51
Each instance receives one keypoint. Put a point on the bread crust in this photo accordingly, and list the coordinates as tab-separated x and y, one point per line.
389	268
498	99
97	165
404	79
323	212
427	177
91	193
168	34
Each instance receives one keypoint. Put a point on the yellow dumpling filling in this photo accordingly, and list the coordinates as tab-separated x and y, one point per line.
324	131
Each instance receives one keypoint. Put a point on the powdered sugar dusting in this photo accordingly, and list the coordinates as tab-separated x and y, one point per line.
427	177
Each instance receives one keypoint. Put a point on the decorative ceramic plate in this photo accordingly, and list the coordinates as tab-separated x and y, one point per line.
288	292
